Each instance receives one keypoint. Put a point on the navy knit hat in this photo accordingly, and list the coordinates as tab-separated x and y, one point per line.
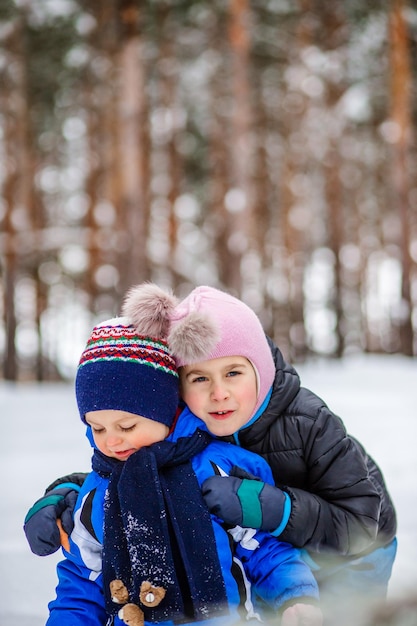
123	370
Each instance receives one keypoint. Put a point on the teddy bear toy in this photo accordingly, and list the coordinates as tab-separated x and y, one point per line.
131	613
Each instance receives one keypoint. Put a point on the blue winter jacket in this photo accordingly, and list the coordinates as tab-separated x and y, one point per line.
259	571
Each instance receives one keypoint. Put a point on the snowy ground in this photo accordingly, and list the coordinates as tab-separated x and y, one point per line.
43	438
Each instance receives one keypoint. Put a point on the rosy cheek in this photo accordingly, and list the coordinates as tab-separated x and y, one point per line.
188	395
193	401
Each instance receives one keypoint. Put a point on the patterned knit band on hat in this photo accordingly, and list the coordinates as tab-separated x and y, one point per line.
210	323
123	370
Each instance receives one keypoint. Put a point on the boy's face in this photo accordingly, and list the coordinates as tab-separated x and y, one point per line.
119	434
221	392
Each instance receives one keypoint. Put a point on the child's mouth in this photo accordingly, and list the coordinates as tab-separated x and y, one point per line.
124	454
221	415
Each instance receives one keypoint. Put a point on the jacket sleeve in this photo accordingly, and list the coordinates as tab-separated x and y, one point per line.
79	600
277	572
340	503
338	509
79	594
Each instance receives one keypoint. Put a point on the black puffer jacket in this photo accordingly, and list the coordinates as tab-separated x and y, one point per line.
340	503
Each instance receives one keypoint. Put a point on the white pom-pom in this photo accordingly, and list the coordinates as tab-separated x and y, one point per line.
148	308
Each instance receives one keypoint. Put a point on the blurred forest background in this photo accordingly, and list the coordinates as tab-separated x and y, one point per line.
264	147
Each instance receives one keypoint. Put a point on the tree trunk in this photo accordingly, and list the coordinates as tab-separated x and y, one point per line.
133	120
401	81
241	169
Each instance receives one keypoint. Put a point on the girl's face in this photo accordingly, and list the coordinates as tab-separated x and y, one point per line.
118	434
222	392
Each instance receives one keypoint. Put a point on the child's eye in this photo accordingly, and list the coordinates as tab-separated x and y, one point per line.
97	431
233	373
199	379
128	429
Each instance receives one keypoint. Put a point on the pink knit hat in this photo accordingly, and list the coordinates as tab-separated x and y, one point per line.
207	324
210	323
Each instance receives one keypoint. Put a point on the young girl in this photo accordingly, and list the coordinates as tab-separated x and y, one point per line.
330	497
144	548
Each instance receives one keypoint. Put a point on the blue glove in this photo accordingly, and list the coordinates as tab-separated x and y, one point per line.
244	500
50	519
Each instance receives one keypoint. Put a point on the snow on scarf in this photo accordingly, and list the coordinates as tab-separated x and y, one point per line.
157	528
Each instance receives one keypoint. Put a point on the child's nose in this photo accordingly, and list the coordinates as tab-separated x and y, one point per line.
113	440
219	391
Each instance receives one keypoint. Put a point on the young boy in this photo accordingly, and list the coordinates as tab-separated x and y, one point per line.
144	548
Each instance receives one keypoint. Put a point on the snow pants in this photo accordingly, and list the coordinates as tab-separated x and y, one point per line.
350	589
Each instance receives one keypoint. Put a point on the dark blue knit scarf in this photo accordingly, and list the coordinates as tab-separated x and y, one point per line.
157	528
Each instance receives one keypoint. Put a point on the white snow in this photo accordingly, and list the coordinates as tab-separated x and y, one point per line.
43	438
